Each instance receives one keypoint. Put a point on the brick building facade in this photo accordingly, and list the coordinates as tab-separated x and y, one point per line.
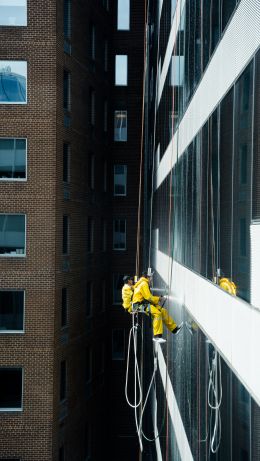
66	389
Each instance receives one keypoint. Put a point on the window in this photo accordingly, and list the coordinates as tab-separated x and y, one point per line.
120	175
103	299
13	82
119	234
64	307
88	363
91	171
89	298
123	14
11	311
93	42
120	125
11	389
12	235
63	380
61	453
105	176
65	235
87	442
92	114
106	55
118	344
66	162
117	288
67	18
13	13
105	115
66	90
12	159
104	235
121	70
90	234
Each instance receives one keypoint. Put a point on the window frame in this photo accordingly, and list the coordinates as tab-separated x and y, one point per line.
114	222
17	179
68	235
19	25
117	129
117	81
17	103
25	237
129	19
14	410
12	332
125	185
122	357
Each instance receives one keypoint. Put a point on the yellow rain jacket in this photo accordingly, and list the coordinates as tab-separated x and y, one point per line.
228	286
127	294
142	292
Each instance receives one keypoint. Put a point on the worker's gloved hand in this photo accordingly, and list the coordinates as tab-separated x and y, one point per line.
162	300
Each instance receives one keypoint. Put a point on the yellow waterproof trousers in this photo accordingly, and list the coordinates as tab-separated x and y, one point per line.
160	317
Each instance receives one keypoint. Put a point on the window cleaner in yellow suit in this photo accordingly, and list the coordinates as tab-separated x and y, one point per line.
226	284
143	296
127	292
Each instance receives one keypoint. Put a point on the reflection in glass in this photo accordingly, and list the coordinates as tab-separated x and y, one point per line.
12	235
13	13
12	158
120	125
13	76
121	69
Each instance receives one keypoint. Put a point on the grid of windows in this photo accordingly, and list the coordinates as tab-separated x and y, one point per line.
12	235
13	82
119	234
13	13
11	311
12	159
120	125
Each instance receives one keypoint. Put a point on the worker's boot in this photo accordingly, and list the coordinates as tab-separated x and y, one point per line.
159	339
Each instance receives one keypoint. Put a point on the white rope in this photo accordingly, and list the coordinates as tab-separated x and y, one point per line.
133	334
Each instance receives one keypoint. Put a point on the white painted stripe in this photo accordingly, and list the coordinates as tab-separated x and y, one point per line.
180	434
227	63
255	263
170	46
231	324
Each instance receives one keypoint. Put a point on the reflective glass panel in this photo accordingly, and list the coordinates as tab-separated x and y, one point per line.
12	158
13	82
12	235
13	13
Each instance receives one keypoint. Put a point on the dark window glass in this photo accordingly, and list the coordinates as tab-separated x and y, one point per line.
11	388
242	194
67	18
88	369
117	288
228	7
11	310
12	158
226	180
90	237
256	169
118	344
65	235
66	90
64	307
12	235
63	380
66	160
89	298
206	32
61	454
